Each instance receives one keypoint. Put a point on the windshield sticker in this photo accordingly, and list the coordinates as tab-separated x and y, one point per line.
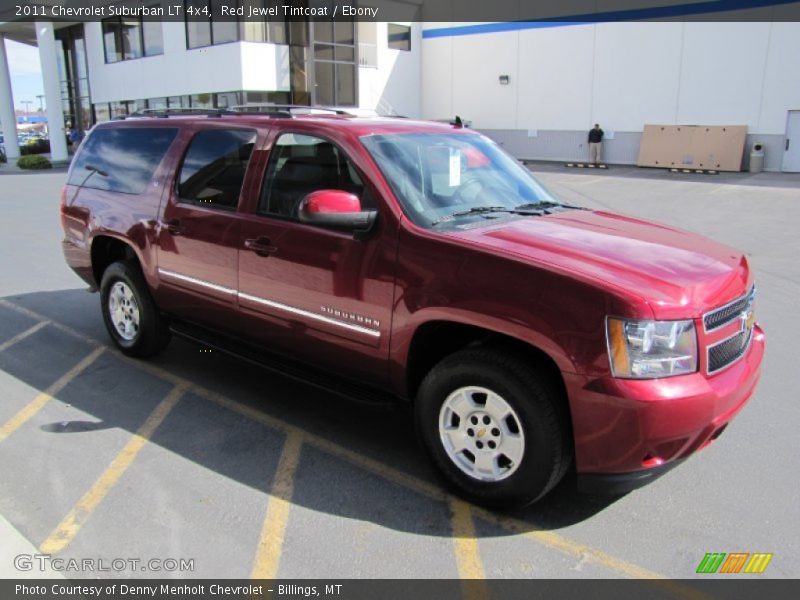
455	167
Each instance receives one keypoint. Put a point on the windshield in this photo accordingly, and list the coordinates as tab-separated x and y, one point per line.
441	177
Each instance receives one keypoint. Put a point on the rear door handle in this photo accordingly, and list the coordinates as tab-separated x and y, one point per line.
173	226
787	143
261	246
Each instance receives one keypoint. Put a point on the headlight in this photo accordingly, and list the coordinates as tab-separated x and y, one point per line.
651	349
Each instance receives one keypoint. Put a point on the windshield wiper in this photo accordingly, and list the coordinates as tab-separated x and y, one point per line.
531	209
542	207
475	210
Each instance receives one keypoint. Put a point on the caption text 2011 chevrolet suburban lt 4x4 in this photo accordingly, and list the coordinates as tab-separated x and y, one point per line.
420	260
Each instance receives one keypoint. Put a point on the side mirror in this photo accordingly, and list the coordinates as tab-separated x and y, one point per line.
336	208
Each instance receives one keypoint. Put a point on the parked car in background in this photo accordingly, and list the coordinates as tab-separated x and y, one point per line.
418	261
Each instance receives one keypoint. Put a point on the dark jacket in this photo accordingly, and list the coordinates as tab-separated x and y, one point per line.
595	135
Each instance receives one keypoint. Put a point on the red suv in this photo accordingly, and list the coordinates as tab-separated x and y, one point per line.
420	261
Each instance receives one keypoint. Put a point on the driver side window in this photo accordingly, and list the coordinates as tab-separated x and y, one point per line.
300	164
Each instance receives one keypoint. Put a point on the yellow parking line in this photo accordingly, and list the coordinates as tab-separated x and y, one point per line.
35	405
468	557
546	538
39	317
80	513
21	336
270	546
430	490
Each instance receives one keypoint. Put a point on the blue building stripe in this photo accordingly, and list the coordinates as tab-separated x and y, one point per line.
638	14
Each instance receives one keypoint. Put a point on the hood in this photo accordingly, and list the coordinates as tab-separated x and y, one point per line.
679	274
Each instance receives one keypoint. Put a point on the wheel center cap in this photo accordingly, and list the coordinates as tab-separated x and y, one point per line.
481	432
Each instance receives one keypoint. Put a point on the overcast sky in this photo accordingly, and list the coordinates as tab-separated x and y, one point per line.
26	74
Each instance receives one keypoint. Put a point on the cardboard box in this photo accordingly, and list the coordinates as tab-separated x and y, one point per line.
717	147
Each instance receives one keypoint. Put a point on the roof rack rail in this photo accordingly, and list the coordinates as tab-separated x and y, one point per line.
261	107
164	113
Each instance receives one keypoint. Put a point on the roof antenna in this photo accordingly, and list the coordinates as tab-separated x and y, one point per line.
458	122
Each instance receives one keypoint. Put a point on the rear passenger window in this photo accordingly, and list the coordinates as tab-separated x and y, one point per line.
213	170
121	159
300	164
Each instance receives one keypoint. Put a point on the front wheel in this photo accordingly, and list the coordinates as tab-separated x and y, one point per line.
495	427
129	313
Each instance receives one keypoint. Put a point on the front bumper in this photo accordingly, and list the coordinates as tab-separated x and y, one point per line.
621	483
629	431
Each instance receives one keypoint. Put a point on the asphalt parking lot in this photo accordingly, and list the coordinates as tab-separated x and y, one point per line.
198	456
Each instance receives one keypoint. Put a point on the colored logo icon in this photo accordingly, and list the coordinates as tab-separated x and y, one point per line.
735	562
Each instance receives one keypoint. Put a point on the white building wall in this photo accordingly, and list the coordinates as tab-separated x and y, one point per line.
555	79
563	79
722	73
222	68
479	91
393	86
781	88
437	78
637	75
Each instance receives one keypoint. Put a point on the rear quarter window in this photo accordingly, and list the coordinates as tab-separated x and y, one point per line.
121	159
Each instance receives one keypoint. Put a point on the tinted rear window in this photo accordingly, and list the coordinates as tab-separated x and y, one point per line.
121	159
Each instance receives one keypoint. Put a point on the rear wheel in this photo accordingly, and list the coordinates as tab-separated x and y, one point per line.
495	427
129	313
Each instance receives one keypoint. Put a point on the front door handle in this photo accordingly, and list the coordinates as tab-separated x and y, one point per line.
261	246
173	226
787	143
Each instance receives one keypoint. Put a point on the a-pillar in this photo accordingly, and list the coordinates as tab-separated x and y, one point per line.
7	115
48	55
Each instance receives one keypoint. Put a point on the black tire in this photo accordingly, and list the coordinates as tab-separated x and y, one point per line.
540	409
152	333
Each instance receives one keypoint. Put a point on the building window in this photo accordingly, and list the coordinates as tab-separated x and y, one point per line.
112	40
198	33
74	78
334	63
102	112
216	29
119	109
201	101
268	98
228	99
126	39
152	37
106	111
178	102
399	37
273	29
223	31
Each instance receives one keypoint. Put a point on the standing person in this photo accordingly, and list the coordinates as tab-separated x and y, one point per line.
595	143
74	138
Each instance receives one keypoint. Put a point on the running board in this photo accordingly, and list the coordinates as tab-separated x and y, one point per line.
285	367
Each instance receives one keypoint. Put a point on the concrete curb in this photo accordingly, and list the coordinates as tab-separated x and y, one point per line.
11	165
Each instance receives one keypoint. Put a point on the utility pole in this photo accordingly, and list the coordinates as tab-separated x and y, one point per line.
41	103
27	104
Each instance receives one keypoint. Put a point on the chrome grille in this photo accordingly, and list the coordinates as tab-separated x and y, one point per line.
731	311
728	351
